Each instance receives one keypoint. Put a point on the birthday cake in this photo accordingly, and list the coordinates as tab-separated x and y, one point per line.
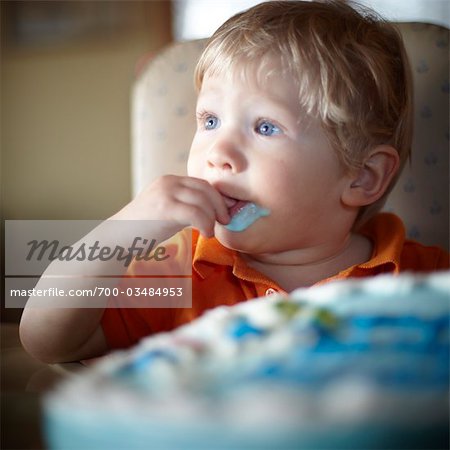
351	364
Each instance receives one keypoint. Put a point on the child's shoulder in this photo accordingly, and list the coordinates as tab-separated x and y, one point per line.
387	232
419	257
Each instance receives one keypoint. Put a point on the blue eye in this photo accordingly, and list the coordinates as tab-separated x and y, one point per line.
267	129
211	123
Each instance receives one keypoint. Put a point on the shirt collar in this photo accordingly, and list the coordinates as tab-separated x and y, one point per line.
210	253
387	233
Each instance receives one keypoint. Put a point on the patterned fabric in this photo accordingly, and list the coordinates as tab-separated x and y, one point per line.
163	124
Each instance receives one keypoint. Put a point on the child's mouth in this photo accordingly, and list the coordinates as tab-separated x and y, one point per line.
243	213
234	205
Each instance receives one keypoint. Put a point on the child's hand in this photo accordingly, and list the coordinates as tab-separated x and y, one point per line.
184	201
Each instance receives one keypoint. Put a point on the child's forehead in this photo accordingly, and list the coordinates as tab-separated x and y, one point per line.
267	73
249	86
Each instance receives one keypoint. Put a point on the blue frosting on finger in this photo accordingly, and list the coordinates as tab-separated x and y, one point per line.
246	216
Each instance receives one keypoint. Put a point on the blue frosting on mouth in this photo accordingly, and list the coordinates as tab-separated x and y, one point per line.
246	216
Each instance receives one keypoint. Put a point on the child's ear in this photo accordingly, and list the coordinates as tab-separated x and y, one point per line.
369	183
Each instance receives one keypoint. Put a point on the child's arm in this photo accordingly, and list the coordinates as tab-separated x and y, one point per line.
56	334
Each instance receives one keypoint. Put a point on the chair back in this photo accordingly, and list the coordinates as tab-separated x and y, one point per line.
163	124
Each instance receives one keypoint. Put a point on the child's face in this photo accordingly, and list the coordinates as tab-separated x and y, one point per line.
253	143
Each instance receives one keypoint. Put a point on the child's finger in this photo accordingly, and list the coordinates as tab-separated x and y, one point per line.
211	196
195	205
197	216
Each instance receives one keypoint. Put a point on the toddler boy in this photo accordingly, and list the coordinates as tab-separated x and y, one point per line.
304	122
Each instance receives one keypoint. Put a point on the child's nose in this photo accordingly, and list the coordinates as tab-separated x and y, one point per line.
224	155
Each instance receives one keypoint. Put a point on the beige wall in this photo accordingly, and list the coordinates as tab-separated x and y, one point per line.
65	120
65	132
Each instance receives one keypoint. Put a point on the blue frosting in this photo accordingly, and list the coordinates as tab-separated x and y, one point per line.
401	352
242	328
246	216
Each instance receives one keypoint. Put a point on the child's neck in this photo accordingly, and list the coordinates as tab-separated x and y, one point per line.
299	268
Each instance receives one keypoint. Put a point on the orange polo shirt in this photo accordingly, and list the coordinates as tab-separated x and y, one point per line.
221	277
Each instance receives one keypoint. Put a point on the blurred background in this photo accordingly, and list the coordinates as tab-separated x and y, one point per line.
66	72
67	69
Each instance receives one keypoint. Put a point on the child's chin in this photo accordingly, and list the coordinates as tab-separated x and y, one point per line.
234	240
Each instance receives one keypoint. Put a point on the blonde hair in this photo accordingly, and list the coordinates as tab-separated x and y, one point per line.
350	66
